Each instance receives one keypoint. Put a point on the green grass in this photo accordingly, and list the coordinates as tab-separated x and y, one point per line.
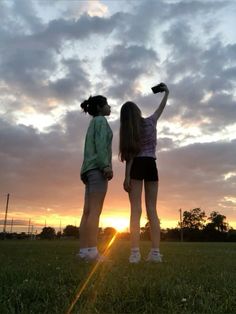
43	277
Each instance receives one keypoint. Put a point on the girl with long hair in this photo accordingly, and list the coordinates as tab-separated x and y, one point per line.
96	171
138	149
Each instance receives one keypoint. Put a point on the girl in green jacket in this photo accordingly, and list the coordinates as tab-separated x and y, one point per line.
96	171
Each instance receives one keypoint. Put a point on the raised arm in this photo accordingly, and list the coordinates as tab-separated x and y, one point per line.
156	115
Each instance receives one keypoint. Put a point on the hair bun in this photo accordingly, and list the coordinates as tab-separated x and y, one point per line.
85	105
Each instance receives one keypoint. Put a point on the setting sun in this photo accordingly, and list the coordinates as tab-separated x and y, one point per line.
119	223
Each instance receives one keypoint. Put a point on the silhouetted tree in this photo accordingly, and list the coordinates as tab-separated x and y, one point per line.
231	236
59	234
172	234
194	219
71	231
217	221
48	233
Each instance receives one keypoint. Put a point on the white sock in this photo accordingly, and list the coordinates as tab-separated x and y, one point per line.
155	251
83	252
92	252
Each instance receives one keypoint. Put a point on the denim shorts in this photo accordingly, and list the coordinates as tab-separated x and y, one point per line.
95	182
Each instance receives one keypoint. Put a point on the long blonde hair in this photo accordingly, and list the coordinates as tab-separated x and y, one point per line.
130	129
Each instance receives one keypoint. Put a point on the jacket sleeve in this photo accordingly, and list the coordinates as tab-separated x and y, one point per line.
101	142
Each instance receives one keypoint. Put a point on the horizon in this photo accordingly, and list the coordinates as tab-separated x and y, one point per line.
121	225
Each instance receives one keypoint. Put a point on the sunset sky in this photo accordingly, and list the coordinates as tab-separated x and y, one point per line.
55	54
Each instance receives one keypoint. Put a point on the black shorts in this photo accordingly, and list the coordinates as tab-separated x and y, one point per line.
144	168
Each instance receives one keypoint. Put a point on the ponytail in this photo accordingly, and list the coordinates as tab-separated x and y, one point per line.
90	105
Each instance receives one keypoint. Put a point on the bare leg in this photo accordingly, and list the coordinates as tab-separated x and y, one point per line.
95	202
83	224
136	211
151	189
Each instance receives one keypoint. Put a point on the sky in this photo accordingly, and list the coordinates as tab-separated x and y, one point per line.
55	54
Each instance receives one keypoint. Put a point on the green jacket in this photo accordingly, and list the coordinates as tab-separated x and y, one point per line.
97	148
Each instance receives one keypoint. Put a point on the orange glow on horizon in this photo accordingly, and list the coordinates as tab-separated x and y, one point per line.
117	219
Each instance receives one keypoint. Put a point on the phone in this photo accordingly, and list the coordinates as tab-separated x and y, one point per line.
157	89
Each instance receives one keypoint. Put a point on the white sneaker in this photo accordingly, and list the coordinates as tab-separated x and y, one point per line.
81	257
154	257
135	257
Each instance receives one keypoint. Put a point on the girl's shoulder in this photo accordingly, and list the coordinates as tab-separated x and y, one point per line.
149	120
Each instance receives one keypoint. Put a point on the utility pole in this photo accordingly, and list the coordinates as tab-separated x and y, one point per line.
5	220
29	227
181	225
11	224
31	233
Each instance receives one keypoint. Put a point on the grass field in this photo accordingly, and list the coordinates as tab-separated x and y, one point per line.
44	277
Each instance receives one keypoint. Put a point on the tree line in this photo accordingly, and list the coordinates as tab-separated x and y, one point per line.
195	226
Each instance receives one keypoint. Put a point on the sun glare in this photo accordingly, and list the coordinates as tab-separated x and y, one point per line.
119	223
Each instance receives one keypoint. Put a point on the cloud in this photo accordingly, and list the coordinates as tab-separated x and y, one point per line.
35	166
201	80
28	61
74	83
95	8
138	60
27	14
194	176
146	17
82	28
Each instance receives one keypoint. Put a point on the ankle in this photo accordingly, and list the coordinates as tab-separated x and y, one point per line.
135	250
155	250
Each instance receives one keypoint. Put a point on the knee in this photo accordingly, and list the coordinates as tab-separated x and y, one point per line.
152	215
136	213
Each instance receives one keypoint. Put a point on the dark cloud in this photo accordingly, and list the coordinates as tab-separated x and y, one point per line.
195	176
74	84
29	72
28	61
201	80
26	12
138	60
138	25
35	166
80	29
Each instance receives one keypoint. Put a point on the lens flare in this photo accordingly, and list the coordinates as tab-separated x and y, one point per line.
90	275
